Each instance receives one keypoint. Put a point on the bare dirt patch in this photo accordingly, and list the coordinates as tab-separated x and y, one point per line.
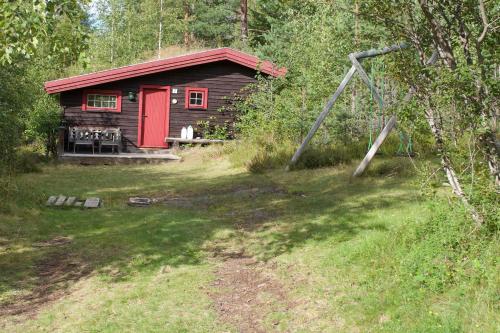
55	273
56	241
245	293
214	197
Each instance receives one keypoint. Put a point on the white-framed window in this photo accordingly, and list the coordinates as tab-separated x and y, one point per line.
102	100
196	98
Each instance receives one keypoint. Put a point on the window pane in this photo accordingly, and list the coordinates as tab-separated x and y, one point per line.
101	101
196	98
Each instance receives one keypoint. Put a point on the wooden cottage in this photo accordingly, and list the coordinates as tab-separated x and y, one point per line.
149	102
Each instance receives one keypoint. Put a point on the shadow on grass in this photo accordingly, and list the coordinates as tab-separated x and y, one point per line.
118	241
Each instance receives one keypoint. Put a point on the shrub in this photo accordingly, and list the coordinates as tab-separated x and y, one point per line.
9	139
327	156
43	121
445	250
27	161
264	153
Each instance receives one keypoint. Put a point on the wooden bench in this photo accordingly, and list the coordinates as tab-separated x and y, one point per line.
110	137
177	141
89	136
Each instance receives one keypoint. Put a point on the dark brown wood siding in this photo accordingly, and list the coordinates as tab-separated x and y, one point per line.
223	80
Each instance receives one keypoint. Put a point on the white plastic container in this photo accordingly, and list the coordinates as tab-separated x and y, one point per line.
184	133
190	132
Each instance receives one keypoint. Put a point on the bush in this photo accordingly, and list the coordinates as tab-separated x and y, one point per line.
9	139
42	123
264	153
445	250
27	161
328	156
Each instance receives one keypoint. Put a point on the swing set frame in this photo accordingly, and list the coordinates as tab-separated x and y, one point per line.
356	60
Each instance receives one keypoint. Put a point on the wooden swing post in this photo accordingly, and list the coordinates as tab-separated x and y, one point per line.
356	59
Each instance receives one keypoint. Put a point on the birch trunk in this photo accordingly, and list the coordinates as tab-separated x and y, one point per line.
244	19
160	29
187	40
447	166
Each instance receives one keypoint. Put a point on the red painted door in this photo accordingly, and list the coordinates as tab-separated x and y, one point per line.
154	116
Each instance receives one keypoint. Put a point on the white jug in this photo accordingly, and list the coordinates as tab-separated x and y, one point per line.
190	132
184	133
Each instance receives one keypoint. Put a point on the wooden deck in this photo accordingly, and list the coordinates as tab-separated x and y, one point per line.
122	158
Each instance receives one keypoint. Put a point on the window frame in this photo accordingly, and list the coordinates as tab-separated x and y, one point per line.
116	93
203	91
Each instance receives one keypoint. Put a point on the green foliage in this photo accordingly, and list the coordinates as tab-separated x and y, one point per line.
54	25
27	160
43	122
214	21
455	96
52	34
9	139
268	155
444	251
261	153
208	130
313	39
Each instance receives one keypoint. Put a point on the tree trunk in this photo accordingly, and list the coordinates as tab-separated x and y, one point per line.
187	39
356	43
439	35
487	140
160	29
244	20
447	166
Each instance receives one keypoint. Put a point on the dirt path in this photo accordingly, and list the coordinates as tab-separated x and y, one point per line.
245	293
54	274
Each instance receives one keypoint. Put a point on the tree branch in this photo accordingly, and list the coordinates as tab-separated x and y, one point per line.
484	18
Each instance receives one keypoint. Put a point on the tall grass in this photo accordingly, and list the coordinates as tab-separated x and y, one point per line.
260	153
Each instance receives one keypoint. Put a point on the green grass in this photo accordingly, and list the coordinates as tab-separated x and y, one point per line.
354	255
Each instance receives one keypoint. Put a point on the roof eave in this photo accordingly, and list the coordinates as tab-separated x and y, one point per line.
121	73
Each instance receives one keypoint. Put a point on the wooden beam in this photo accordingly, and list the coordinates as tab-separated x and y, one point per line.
376	145
387	129
392	122
366	80
322	116
356	66
373	52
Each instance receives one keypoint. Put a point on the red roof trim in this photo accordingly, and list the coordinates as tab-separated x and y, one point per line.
126	72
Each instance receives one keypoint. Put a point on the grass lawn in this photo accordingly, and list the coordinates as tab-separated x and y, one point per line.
223	250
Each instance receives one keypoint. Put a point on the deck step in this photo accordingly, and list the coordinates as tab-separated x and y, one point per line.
122	158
